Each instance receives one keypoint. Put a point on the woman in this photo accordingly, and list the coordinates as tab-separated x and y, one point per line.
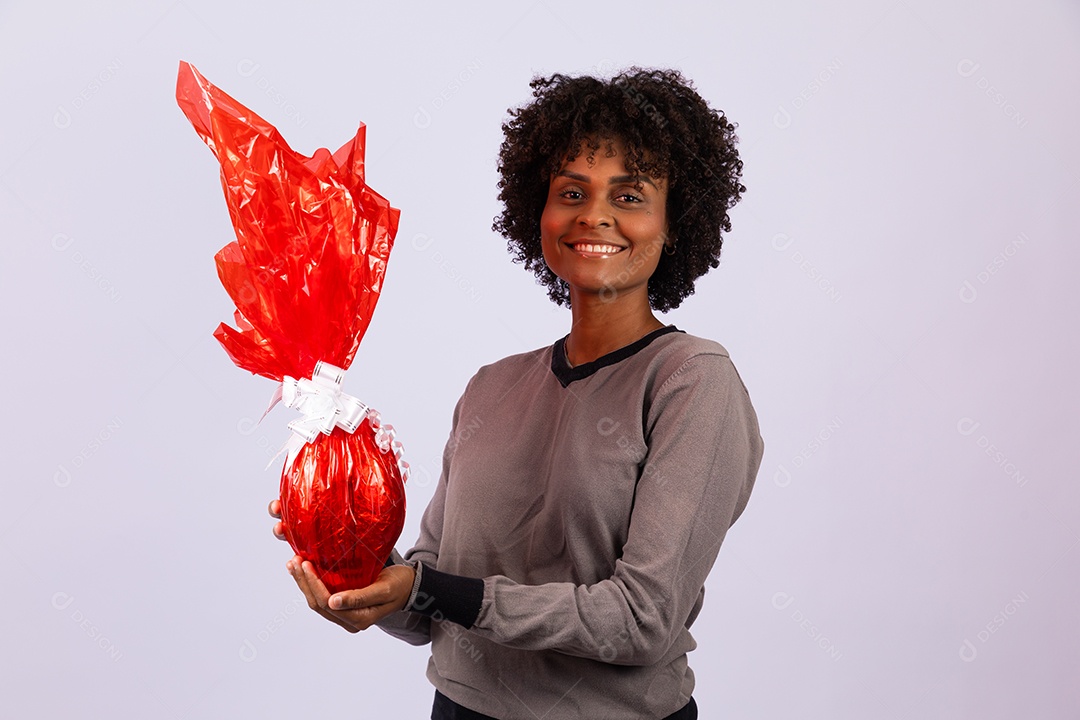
586	486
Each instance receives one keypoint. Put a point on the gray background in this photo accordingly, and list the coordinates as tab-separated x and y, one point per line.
896	294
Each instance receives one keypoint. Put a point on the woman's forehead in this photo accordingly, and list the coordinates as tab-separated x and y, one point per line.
613	153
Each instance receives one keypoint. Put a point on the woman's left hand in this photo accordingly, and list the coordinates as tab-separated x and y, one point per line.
355	610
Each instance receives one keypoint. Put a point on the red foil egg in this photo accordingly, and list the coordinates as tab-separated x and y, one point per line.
343	506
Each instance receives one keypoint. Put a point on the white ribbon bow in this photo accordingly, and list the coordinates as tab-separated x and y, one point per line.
324	406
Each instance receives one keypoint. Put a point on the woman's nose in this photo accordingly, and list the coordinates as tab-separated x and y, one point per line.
595	214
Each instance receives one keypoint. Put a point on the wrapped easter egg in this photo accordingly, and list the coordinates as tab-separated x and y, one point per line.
305	273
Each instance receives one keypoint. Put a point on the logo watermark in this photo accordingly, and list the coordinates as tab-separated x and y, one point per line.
782	242
422	117
423	243
967	427
64	115
641	102
968	292
781	601
248	650
246	427
782	477
968	650
63	243
464	433
609	293
968	68
62	601
248	68
783	117
457	633
608	427
63	476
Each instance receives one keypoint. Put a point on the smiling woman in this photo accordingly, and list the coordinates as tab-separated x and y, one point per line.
662	129
562	559
597	210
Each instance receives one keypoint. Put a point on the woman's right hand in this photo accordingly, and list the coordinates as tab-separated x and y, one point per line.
275	512
354	610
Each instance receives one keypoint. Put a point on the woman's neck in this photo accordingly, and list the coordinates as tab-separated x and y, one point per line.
601	327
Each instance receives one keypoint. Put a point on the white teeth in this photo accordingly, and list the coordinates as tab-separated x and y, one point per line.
601	249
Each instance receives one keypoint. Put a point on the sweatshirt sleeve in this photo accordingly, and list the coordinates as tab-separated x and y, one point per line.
414	627
704	450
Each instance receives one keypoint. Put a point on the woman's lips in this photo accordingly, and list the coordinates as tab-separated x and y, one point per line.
595	249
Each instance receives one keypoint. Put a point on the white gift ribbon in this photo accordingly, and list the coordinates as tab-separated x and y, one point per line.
323	407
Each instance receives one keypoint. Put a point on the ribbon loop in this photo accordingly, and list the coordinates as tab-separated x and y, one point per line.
323	407
322	403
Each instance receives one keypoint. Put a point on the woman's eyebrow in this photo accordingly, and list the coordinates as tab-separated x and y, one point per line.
573	176
631	179
613	181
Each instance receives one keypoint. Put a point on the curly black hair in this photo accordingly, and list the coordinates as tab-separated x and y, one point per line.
669	132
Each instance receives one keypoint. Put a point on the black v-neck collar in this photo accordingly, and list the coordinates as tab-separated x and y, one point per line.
566	374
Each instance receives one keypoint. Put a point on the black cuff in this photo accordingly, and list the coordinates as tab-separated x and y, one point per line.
442	596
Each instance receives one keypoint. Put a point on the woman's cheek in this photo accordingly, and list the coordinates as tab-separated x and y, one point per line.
549	235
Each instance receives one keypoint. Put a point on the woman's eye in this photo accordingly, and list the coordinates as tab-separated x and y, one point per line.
628	198
570	194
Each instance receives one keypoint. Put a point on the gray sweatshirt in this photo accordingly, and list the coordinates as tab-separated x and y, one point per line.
565	550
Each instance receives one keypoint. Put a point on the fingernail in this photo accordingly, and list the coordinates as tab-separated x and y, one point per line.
335	603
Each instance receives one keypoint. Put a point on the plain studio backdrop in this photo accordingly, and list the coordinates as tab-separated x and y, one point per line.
897	293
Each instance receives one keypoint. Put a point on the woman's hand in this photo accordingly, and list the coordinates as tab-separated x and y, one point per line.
355	610
275	512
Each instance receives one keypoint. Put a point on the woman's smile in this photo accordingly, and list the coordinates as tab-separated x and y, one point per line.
594	249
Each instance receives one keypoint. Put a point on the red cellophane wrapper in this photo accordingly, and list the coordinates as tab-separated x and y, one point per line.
305	272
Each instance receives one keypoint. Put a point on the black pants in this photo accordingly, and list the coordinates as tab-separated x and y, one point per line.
446	709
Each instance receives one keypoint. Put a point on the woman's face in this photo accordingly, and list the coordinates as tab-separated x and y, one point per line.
602	230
